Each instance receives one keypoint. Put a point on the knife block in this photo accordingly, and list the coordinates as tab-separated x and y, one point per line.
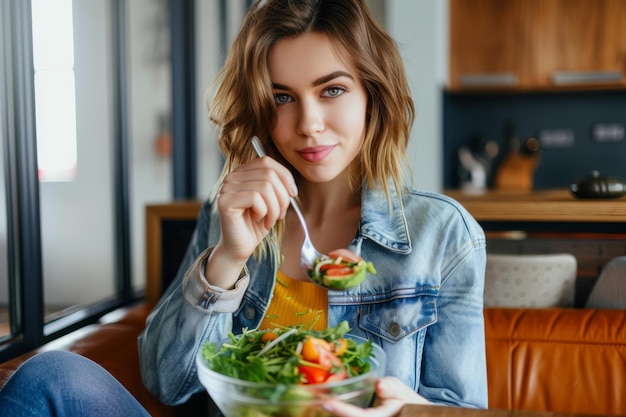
516	172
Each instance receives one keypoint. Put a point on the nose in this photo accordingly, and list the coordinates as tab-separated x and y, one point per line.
311	118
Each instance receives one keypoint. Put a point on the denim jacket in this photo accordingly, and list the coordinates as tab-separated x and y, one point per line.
424	306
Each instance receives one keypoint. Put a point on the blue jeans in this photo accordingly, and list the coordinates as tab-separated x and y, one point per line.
60	383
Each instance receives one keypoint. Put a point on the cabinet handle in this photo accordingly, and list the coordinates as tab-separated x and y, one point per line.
582	77
504	79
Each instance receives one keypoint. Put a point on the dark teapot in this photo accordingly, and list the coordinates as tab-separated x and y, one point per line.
597	186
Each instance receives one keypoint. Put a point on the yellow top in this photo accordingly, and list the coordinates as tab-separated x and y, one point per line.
296	302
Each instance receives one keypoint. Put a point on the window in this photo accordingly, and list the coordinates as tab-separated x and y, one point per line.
65	256
55	103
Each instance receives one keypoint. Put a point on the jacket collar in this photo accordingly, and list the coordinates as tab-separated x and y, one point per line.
379	225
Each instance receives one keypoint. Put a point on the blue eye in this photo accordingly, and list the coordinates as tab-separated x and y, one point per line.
335	91
282	98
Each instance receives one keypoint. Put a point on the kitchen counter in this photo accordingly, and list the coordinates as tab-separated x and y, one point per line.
556	206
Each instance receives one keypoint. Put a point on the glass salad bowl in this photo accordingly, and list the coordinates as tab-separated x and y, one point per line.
243	398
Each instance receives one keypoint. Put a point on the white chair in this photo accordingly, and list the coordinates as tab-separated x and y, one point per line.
609	291
547	280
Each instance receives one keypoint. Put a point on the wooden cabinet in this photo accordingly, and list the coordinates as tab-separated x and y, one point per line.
489	43
578	41
537	44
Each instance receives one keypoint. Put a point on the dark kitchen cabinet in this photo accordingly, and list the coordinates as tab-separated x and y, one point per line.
537	44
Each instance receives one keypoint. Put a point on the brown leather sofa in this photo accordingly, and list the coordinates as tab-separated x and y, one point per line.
559	360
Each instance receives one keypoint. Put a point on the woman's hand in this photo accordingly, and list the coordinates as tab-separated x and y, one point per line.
253	197
391	395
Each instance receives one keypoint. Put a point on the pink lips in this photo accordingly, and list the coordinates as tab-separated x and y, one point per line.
315	153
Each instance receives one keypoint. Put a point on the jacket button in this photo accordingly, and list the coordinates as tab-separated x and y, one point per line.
394	329
250	313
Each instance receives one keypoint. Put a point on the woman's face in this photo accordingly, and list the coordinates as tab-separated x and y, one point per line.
321	106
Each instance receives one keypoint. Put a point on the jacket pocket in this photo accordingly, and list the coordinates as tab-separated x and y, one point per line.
399	317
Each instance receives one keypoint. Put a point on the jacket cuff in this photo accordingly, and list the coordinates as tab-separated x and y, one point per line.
207	297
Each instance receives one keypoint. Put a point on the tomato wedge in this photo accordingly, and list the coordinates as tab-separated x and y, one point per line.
312	348
340	271
330	265
320	351
328	359
267	336
339	376
313	374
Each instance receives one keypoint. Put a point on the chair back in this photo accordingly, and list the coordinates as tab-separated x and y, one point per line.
609	290
546	280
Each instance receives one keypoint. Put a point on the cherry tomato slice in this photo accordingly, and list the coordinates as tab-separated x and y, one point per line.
346	255
312	347
313	374
328	359
270	335
336	272
326	267
338	376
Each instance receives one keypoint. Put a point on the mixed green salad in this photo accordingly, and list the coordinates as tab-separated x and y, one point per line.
290	355
294	367
340	269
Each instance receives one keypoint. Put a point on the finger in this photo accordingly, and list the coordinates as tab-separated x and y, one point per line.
260	187
257	200
264	170
390	387
248	205
282	173
387	408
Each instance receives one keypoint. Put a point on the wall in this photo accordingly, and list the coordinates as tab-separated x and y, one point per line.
149	99
467	115
420	29
209	58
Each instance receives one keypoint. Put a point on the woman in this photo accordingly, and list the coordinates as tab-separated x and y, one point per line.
324	88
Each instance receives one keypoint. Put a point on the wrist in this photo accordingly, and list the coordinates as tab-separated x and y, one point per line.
221	270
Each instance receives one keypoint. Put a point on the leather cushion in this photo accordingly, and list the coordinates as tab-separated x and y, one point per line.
561	360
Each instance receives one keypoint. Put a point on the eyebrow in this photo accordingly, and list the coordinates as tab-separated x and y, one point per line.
319	81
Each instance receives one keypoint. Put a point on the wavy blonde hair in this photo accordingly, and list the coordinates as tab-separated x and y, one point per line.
243	103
